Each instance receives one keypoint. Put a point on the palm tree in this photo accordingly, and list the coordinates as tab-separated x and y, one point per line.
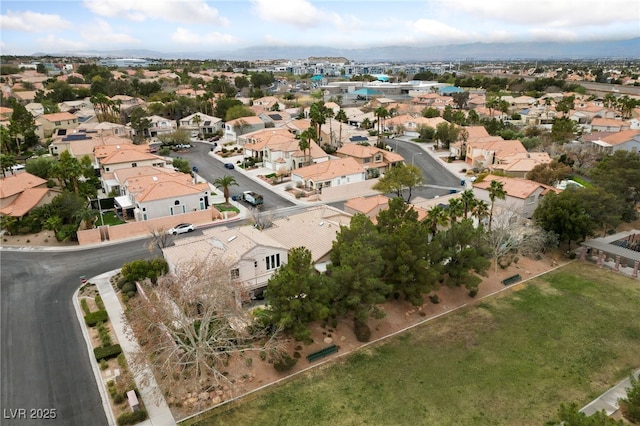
307	135
225	182
86	217
468	201
7	161
196	120
341	116
382	113
480	210
456	209
437	216
496	190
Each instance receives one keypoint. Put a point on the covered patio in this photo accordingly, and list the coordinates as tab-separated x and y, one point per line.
620	251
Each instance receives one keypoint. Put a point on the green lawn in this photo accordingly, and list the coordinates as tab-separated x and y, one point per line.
222	207
567	336
110	218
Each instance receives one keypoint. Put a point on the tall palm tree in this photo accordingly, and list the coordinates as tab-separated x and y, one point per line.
437	216
496	190
382	113
225	182
307	135
468	200
456	209
480	210
341	116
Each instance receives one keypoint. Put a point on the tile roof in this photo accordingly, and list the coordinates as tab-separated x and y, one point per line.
171	189
368	205
26	201
328	170
621	137
15	184
608	122
58	116
128	155
514	187
249	120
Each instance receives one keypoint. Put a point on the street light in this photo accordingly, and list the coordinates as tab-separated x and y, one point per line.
412	157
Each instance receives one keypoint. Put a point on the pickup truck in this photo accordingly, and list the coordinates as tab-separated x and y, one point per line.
250	197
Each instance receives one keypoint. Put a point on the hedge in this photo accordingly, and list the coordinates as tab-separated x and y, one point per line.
107	352
95	317
99	303
132	418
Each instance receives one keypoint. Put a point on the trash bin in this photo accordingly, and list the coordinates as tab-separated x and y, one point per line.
462	182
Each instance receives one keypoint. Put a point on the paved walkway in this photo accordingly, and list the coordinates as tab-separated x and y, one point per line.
608	401
155	404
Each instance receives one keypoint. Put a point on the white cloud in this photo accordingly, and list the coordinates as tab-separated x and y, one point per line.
300	13
57	44
428	29
192	11
187	37
32	22
102	32
551	13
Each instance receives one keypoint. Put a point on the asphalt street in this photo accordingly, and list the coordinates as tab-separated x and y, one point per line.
45	364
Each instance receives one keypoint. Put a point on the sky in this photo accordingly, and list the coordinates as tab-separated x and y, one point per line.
30	26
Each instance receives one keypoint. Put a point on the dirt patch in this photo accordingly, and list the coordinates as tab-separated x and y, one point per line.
40	239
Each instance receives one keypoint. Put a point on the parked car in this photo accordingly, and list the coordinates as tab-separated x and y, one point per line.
195	169
182	228
229	166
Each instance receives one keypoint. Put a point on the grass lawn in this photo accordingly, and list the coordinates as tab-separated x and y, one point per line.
110	218
564	337
222	207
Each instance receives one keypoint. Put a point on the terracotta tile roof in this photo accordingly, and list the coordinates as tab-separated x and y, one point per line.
369	204
26	201
608	122
522	162
138	184
122	175
621	137
514	187
127	156
164	190
15	184
476	132
328	170
249	120
59	116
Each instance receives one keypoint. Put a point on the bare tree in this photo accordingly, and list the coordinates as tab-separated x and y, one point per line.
260	219
192	330
510	235
159	238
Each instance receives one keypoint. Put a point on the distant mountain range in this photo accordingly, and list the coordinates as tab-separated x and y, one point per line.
472	51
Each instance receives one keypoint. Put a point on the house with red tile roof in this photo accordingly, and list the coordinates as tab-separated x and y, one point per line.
627	140
608	125
165	197
278	149
22	192
519	164
482	152
341	171
111	158
523	195
375	161
57	120
369	206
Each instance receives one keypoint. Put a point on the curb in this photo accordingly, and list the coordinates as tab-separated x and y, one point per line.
106	405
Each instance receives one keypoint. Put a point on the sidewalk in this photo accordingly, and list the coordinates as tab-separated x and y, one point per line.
154	402
608	401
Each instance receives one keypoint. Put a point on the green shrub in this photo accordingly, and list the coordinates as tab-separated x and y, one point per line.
107	352
132	418
99	302
95	317
117	398
131	294
103	364
128	287
473	292
125	298
434	299
362	331
284	362
85	306
122	362
121	281
103	333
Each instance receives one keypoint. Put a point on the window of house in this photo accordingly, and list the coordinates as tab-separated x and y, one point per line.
134	164
57	123
106	169
176	202
273	261
367	160
235	274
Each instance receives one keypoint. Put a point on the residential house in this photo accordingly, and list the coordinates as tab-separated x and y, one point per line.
482	152
112	158
81	142
200	124
341	171
269	103
627	140
608	125
519	164
58	120
253	255
160	126
368	206
410	125
375	161
279	149
242	125
163	195
459	148
121	182
35	108
22	192
522	195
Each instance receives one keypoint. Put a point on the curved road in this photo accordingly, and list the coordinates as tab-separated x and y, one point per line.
45	364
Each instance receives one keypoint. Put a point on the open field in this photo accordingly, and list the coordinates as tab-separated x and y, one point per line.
564	337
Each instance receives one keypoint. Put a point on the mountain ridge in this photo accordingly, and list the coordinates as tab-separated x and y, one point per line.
628	48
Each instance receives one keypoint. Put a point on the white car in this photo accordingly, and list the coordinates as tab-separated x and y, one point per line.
182	228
